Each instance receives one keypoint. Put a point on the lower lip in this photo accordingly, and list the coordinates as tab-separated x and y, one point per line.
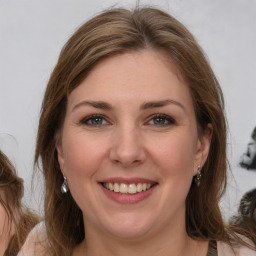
128	198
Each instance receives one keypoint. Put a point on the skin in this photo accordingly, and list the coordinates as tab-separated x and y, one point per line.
127	140
4	227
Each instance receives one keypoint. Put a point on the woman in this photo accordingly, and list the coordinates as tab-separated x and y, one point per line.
132	142
248	159
15	220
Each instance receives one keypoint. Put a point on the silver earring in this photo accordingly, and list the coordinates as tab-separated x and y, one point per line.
64	186
198	177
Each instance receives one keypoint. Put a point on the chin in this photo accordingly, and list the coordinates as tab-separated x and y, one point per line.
129	227
131	233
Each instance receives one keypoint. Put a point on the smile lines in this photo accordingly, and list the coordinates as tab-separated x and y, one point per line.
127	188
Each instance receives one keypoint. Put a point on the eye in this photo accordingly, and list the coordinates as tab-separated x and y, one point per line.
94	121
161	120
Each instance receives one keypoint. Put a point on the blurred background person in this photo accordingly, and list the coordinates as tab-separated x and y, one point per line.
248	159
16	220
246	217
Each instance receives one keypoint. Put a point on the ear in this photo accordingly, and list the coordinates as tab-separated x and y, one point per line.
60	152
203	147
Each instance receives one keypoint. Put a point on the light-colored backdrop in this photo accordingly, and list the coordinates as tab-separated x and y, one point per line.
33	32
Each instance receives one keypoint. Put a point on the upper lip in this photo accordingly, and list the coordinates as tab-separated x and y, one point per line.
127	180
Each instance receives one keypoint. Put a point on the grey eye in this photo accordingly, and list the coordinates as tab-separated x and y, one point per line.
161	120
94	120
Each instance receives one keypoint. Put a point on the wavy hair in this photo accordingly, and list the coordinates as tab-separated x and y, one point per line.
110	33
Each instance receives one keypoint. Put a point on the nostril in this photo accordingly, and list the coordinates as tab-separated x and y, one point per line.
127	157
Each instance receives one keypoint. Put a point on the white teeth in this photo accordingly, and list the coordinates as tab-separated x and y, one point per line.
127	188
110	186
132	189
116	187
123	188
139	187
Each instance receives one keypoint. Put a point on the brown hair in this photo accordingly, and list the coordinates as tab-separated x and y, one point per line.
19	216
114	32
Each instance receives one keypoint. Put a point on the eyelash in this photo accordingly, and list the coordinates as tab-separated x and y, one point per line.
86	120
103	121
162	117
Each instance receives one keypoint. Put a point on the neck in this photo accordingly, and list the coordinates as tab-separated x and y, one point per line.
164	243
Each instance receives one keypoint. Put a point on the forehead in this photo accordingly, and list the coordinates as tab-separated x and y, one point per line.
146	73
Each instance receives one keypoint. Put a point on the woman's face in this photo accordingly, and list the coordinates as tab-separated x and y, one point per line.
130	126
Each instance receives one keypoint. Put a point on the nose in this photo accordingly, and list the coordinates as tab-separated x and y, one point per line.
127	148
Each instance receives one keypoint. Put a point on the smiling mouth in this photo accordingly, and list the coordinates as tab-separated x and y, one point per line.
123	188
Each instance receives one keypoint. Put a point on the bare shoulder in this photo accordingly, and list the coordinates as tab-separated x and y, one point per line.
225	249
35	242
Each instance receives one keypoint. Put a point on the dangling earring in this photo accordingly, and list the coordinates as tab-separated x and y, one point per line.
64	186
198	177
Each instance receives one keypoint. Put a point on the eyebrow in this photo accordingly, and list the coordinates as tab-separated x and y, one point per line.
95	104
144	106
162	103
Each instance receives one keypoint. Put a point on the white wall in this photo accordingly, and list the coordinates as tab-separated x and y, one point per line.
33	32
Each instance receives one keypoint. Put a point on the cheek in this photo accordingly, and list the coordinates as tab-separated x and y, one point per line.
82	155
175	154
